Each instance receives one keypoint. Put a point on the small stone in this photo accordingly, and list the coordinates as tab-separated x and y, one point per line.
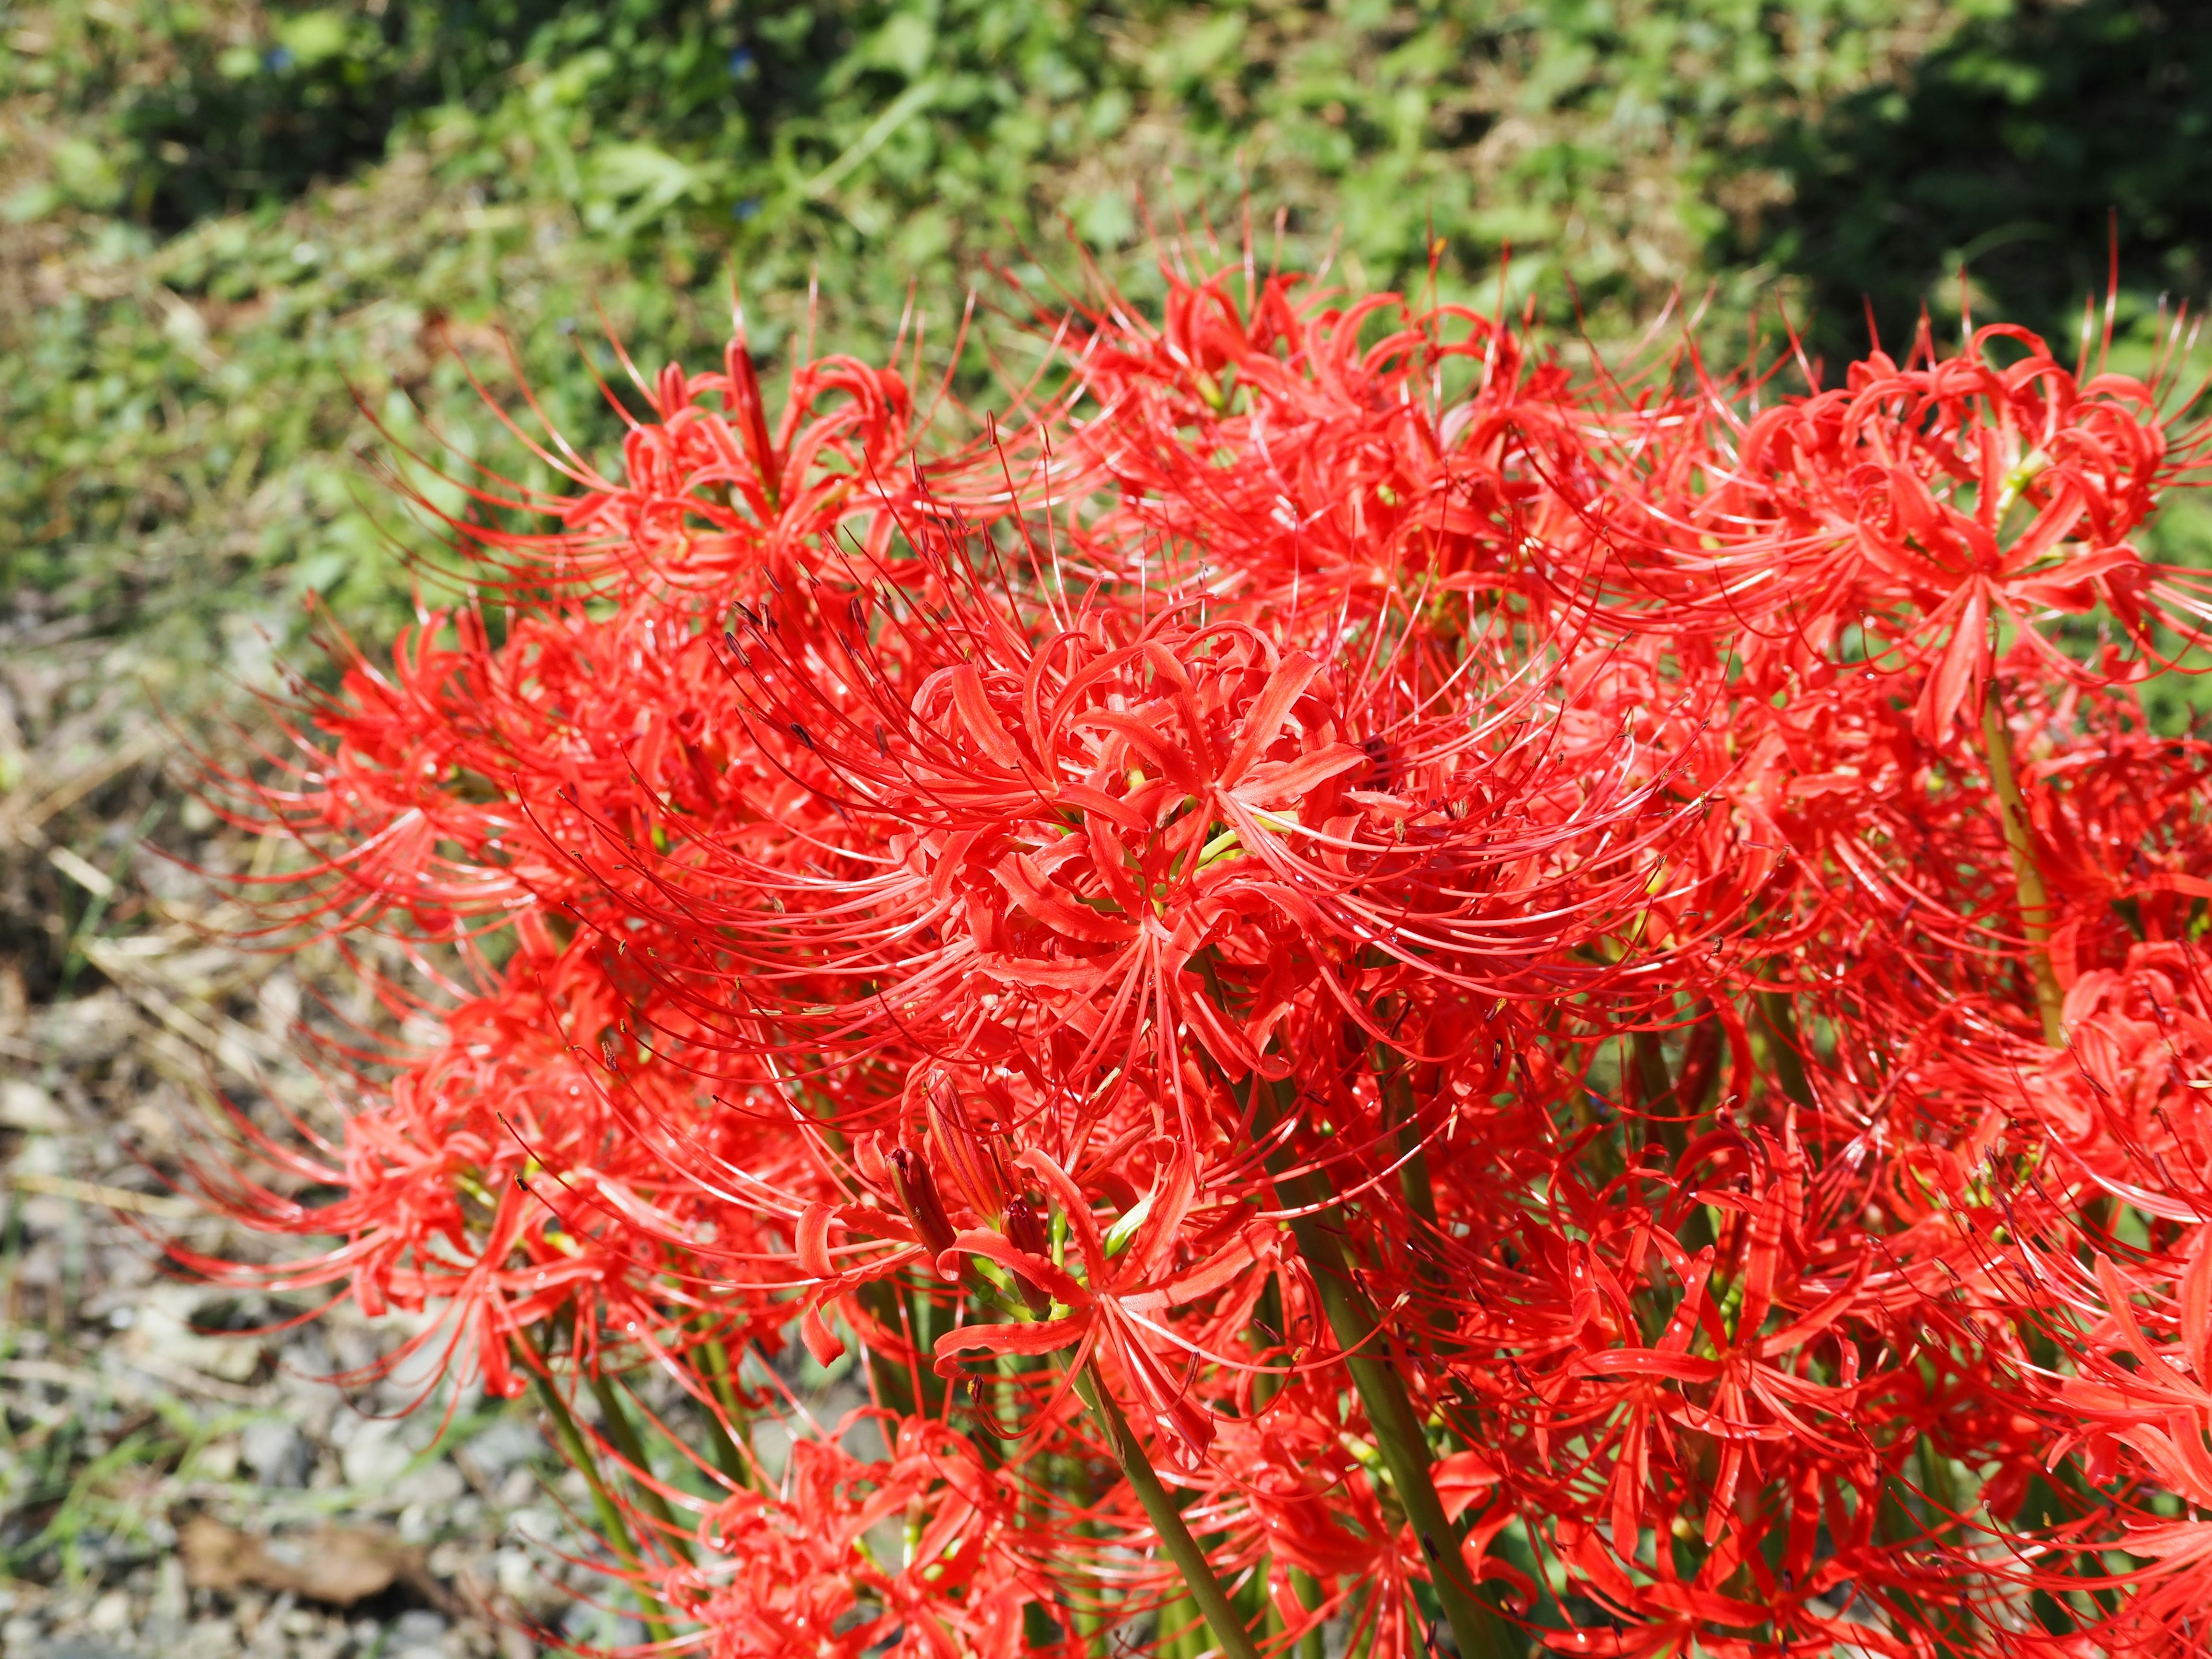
515	1573
275	1451
165	1618
506	1442
375	1455
434	1487
419	1626
25	1107
85	1031
209	1638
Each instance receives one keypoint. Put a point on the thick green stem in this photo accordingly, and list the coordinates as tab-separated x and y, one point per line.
623	1435
1306	1588
727	1427
1479	1631
1167	1520
1397	1091
578	1450
2028	876
1784	1053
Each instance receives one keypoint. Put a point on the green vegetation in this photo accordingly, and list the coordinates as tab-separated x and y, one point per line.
221	225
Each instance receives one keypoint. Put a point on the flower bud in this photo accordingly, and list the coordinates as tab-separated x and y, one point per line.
971	1161
1025	1231
917	1196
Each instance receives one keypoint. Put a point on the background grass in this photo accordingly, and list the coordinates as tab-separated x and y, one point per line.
222	222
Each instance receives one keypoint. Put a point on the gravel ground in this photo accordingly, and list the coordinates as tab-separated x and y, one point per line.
175	1476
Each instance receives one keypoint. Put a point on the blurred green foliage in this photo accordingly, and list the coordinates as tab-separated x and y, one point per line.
233	238
2025	145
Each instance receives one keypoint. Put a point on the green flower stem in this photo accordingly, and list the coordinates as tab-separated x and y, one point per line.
1478	1629
1306	1588
623	1436
1167	1520
724	1428
1784	1050
1397	1088
578	1450
2027	874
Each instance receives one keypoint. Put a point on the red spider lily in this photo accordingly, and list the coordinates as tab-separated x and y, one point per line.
1360	976
1930	509
1384	455
797	1571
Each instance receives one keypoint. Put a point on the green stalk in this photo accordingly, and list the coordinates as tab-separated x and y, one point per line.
714	1371
1655	1082
1306	1588
1780	1015
578	1450
2027	875
1089	1625
1179	1631
1167	1520
1479	1629
622	1433
1304	1585
1397	1091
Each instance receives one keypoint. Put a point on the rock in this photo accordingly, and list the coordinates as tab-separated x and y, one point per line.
375	1455
165	1618
434	1487
27	1106
506	1442
209	1638
86	1030
419	1625
161	1332
277	1452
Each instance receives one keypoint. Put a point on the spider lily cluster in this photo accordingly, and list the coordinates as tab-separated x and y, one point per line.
1394	1000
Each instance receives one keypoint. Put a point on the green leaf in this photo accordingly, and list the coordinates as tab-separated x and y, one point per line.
85	175
314	37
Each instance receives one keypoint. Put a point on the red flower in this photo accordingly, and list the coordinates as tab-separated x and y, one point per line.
1361	977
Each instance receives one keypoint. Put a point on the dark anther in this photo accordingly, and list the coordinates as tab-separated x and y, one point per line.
800	731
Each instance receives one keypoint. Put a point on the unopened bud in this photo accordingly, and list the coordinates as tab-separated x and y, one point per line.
965	1155
1025	1231
917	1196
